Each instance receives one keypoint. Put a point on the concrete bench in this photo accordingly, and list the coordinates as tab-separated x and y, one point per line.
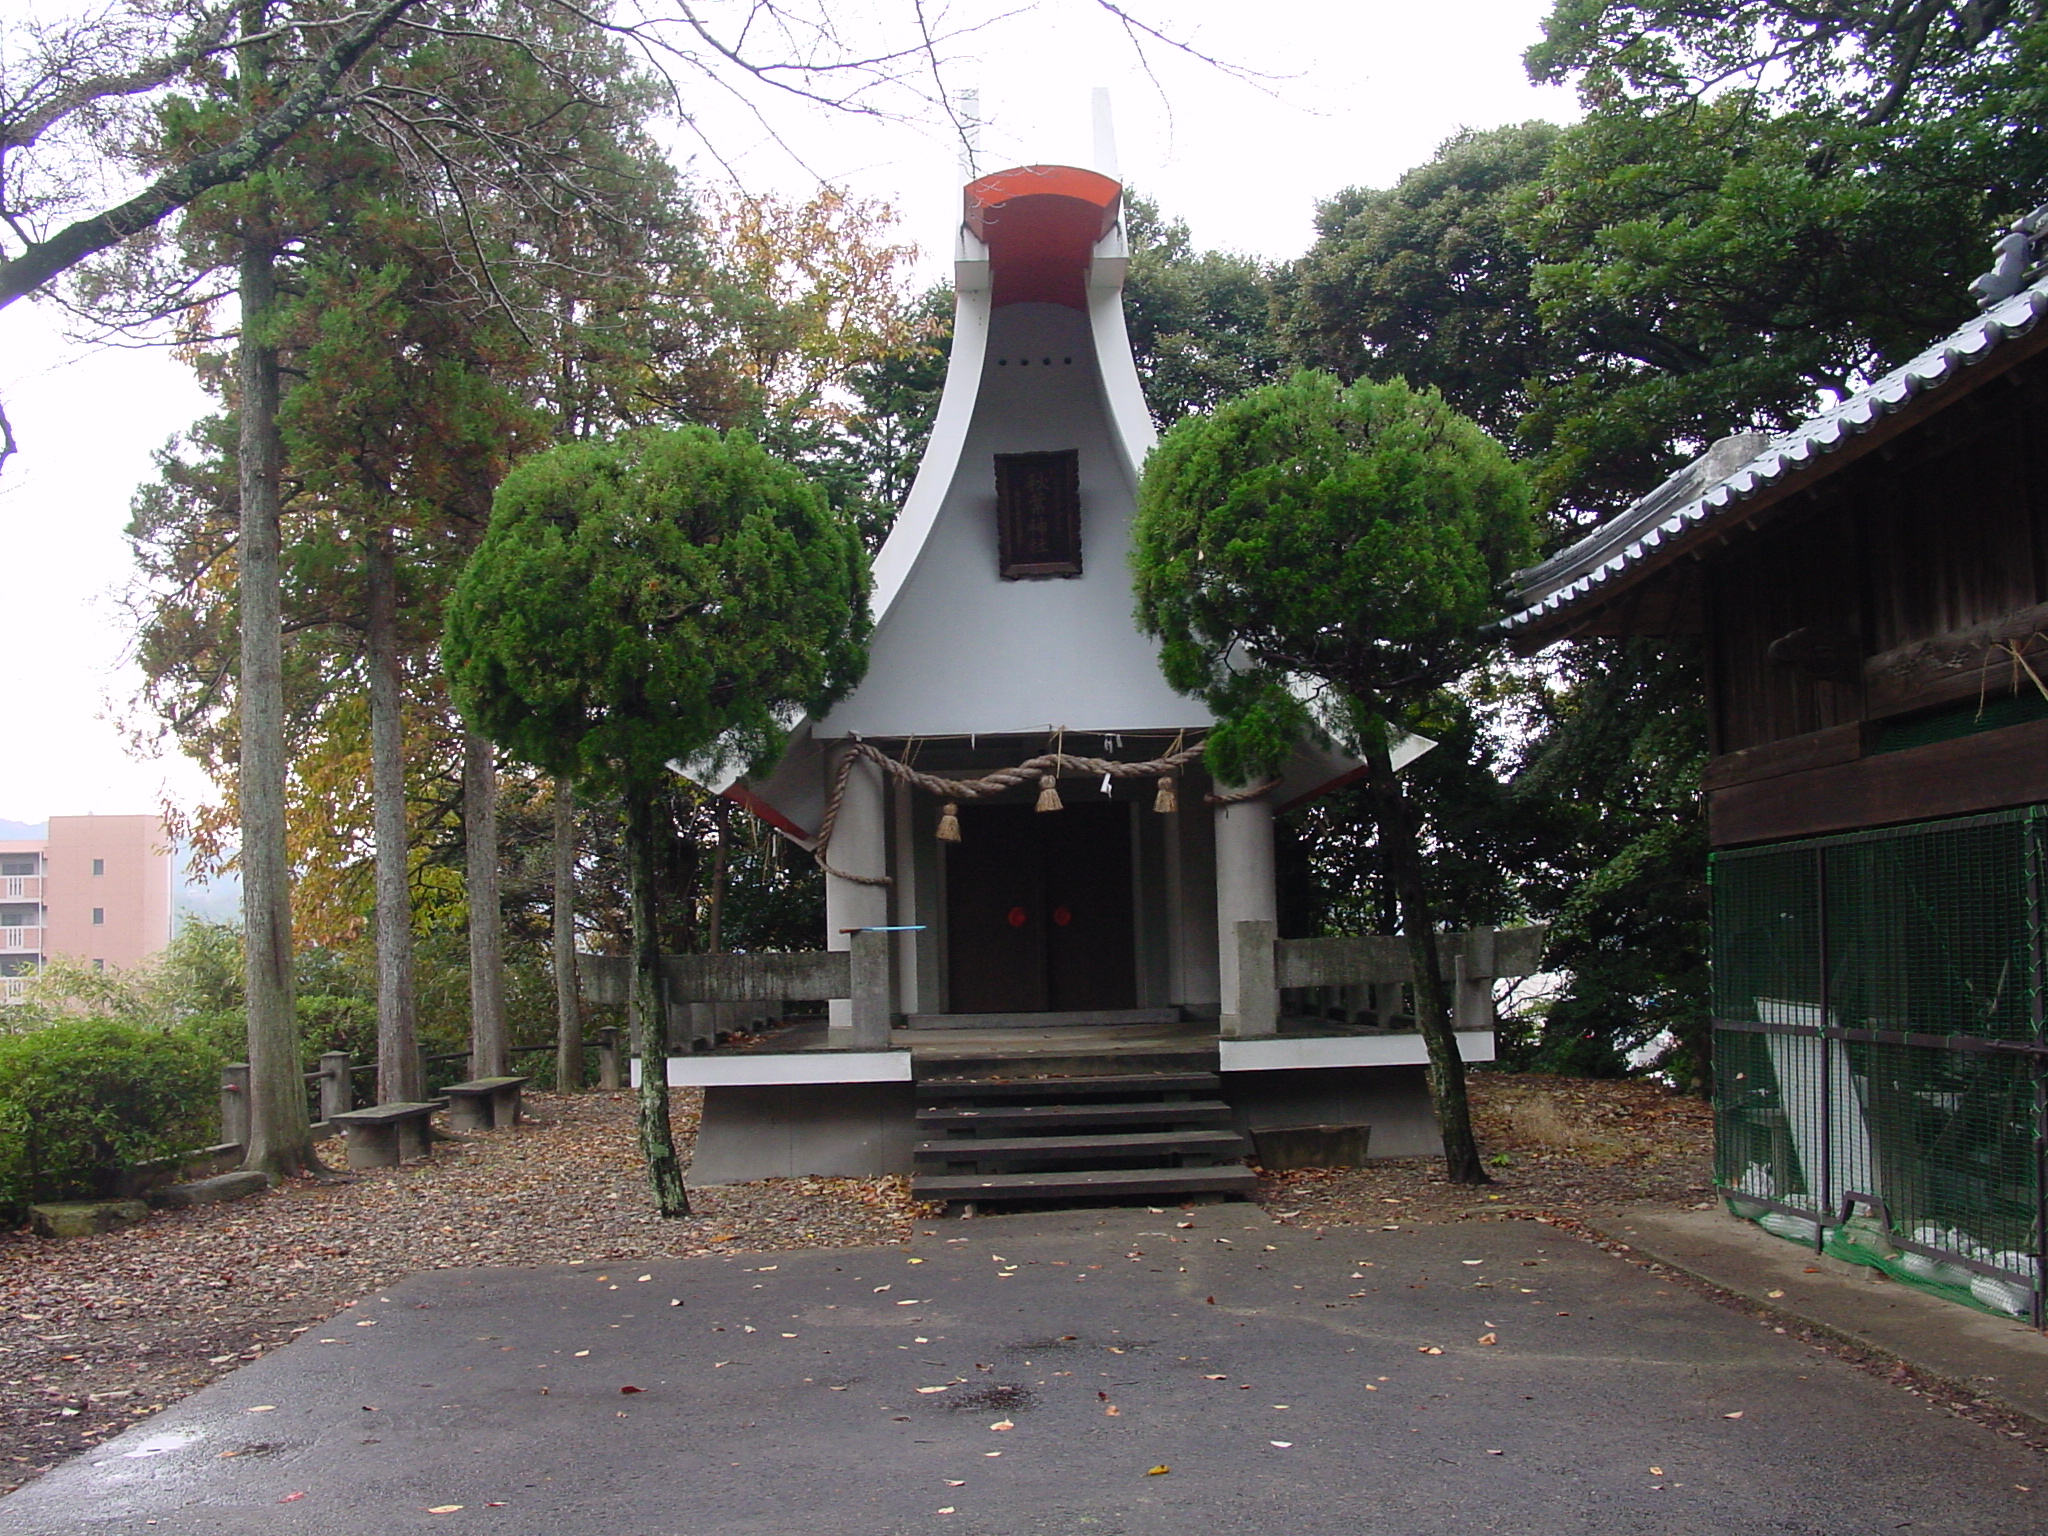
388	1134
486	1104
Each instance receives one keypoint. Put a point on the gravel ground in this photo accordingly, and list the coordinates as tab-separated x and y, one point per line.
99	1332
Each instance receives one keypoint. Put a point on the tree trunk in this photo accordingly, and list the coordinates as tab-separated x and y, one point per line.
400	1078
280	1129
568	1001
657	1137
489	1054
1400	839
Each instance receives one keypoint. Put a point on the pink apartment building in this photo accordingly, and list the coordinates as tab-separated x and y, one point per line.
97	889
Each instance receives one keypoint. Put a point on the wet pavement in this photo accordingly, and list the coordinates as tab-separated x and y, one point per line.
1101	1372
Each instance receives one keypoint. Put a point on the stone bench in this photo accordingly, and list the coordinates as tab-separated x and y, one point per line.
387	1134
486	1104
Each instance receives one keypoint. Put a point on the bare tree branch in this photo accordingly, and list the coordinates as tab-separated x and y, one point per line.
230	163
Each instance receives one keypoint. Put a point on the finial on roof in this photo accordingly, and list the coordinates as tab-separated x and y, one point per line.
2016	256
1105	133
967	118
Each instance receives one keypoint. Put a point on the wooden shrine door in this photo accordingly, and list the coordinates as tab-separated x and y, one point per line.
1038	909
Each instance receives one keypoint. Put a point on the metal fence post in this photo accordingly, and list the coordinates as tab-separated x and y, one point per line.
337	1084
234	1104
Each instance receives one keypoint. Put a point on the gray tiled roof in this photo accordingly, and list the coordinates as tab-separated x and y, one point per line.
1736	470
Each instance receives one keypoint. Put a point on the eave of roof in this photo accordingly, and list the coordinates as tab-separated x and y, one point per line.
1637	541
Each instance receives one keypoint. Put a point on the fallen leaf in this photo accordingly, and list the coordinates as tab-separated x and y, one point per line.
789	1335
1212	1301
1427	1349
955	1482
1735	1415
1774	1295
1656	1471
1162	1469
947	1510
1113	1411
1496	1453
1282	1444
628	1391
644	1279
443	1509
292	1498
264	1408
1003	1424
1489	1338
675	1301
933	1389
1215	1378
581	1353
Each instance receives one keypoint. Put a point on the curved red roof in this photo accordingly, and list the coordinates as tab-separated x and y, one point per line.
1040	223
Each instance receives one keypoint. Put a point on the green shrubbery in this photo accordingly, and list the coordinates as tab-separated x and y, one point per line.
83	1099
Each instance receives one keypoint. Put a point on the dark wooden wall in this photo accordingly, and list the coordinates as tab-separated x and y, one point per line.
1902	577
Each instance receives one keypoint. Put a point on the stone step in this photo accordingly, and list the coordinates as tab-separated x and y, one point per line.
1078	1183
994	1154
948	1066
1113	1018
999	1117
1068	1089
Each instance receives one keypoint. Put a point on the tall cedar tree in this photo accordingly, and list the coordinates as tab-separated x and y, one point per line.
670	596
1306	539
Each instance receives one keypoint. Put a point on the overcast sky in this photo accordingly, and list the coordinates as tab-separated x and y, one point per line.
1357	91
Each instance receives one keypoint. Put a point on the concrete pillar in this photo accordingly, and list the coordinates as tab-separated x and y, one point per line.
914	870
234	1104
1244	886
337	1086
609	1078
869	1007
860	847
1256	1006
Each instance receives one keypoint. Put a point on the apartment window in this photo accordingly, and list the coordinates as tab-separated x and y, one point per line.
18	864
99	866
99	916
1038	514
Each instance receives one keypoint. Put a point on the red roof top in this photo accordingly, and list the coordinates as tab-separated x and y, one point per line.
1040	223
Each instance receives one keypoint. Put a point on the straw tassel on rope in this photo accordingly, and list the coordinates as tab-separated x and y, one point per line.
949	823
1049	793
1166	802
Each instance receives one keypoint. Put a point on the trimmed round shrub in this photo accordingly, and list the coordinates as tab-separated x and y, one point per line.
82	1100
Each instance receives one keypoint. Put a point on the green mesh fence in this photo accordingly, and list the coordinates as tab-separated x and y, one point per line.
1880	1050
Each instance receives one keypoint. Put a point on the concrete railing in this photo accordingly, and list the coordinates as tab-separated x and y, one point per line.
737	982
1474	960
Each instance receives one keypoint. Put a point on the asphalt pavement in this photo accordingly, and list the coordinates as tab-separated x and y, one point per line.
1100	1372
